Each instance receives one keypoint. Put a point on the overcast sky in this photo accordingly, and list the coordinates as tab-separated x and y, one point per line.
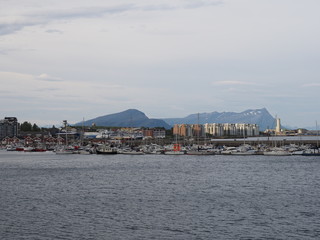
80	59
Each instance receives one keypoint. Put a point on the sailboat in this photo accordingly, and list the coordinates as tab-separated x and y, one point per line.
176	148
65	149
199	150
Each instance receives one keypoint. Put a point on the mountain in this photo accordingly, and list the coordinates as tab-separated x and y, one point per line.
128	118
254	116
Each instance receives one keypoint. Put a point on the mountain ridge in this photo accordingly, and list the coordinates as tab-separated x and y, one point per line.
136	118
252	116
127	118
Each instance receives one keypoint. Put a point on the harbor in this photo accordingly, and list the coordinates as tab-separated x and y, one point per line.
289	145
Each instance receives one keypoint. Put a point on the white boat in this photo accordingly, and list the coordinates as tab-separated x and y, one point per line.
28	149
64	151
10	148
228	150
103	149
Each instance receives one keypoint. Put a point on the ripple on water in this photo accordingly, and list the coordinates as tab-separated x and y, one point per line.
46	196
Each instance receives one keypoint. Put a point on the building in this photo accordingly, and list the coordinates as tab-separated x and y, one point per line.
154	133
159	133
8	127
183	130
147	133
216	129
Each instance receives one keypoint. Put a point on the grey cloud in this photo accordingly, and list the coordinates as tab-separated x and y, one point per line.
46	77
191	4
54	31
37	18
85	12
7	28
199	4
47	89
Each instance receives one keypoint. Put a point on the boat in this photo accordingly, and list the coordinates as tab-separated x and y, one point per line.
176	150
64	151
104	149
311	152
315	150
28	149
244	150
39	150
11	148
197	150
277	152
228	150
153	149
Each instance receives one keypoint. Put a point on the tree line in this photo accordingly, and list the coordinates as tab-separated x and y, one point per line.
28	127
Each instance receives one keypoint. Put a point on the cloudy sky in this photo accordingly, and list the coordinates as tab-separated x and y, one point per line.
80	59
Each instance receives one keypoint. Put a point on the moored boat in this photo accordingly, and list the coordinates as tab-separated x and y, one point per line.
104	149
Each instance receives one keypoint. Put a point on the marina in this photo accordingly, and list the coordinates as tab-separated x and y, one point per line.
280	145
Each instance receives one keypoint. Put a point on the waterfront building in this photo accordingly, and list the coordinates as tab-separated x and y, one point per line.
216	129
8	127
183	130
159	133
154	133
147	133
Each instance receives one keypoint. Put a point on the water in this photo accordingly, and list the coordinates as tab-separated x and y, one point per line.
48	196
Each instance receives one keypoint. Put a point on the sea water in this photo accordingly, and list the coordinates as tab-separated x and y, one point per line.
49	196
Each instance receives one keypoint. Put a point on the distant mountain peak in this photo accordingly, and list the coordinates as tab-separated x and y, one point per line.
127	118
253	116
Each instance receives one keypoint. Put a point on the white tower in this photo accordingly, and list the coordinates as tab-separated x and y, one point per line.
278	127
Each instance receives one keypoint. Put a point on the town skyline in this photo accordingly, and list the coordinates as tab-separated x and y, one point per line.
78	59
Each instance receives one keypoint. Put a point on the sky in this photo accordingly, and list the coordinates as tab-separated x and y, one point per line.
74	60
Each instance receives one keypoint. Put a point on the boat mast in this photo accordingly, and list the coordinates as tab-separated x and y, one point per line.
82	134
244	134
198	132
65	126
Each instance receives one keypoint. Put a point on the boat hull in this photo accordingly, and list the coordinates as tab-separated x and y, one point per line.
108	152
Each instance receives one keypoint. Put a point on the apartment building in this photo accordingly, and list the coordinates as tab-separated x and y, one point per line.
8	127
216	129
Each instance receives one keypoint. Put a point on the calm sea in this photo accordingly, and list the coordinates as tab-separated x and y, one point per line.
48	196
